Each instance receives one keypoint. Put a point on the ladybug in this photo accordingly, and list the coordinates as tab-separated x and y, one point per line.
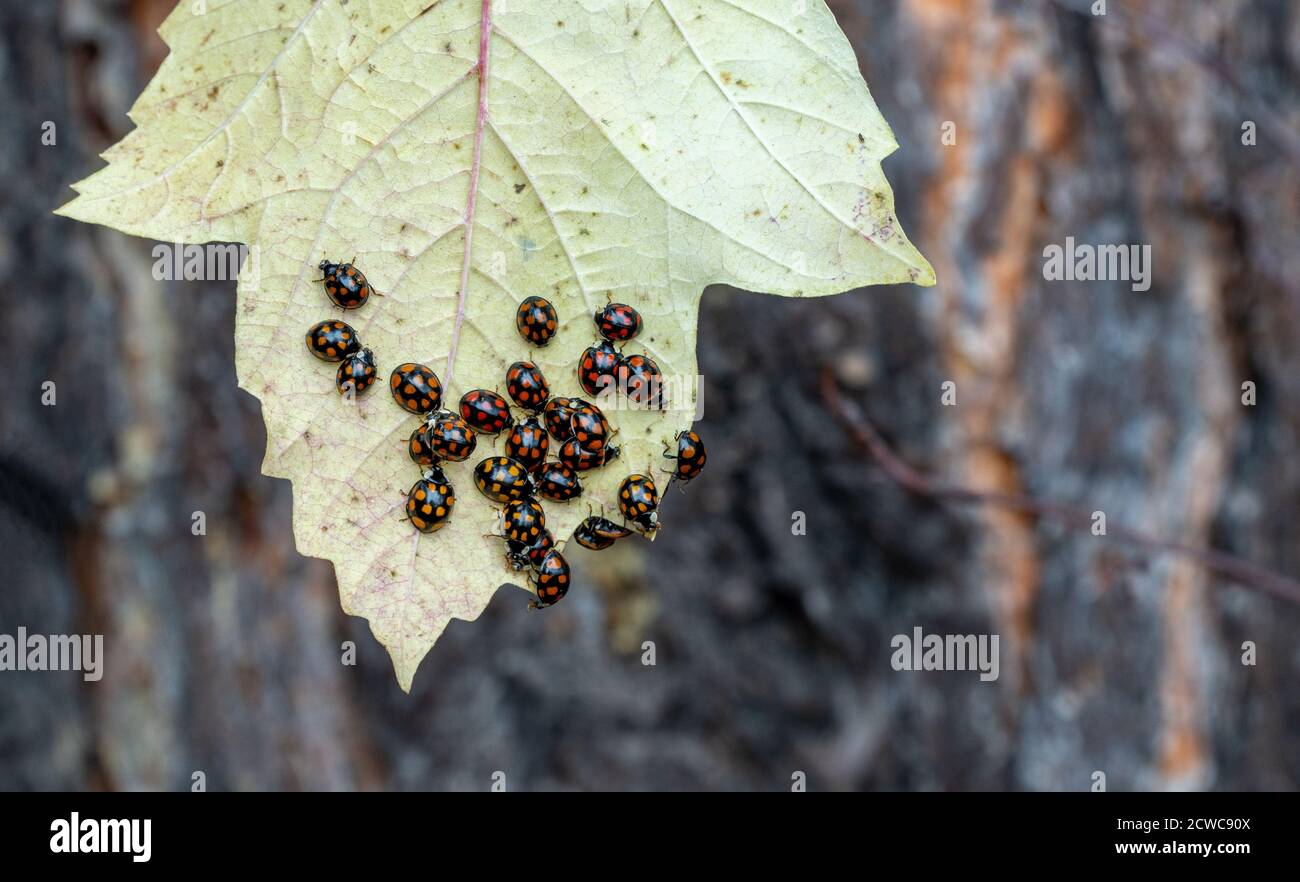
527	386
598	367
598	533
449	437
345	285
528	444
357	373
520	555
590	427
638	500
640	379
558	415
430	501
558	482
691	457
332	340
536	320
523	521
618	322
573	456
503	479
415	388
419	448
485	410
551	581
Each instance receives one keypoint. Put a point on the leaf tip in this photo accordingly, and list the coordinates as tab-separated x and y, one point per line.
70	209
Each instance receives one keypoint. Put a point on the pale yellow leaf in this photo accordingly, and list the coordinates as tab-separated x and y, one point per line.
644	148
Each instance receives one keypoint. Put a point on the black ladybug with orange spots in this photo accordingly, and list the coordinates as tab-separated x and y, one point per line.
640	379
551	580
449	437
345	285
690	456
589	426
523	521
558	483
415	388
618	322
485	410
598	368
536	320
356	374
528	443
638	501
332	340
572	454
527	386
503	480
521	554
429	501
558	415
599	533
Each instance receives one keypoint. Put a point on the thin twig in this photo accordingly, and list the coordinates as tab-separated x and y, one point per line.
861	429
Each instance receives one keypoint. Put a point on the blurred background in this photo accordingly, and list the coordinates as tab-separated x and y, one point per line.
773	649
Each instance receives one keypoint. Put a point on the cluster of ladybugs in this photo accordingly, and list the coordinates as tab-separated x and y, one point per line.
523	477
336	341
603	366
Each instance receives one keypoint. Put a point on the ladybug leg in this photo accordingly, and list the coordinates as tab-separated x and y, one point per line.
532	583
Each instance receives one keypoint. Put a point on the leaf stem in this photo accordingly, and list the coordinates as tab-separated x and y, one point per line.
482	69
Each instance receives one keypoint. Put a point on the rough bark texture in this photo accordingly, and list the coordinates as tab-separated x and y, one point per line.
773	649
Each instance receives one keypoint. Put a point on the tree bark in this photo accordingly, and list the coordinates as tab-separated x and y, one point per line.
772	649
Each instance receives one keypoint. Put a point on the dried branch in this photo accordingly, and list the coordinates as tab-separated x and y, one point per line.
864	433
